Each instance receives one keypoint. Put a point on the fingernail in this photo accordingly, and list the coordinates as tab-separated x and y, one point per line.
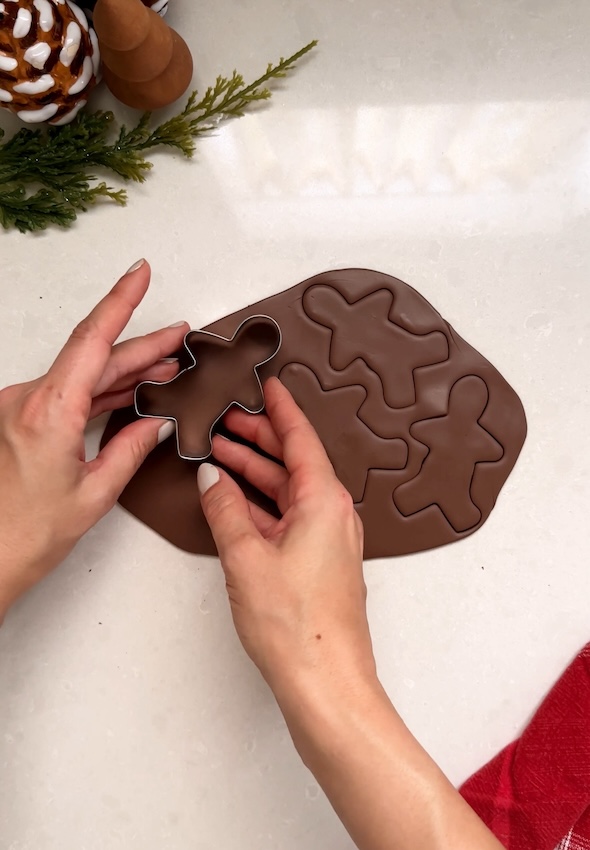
135	266
169	360
166	430
177	324
207	476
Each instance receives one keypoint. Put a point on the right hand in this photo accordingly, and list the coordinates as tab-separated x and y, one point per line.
297	596
295	584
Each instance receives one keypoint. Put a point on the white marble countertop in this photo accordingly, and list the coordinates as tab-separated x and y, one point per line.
447	144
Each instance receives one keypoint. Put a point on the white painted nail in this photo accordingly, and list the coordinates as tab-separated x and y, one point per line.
177	324
169	360
166	430
207	476
135	266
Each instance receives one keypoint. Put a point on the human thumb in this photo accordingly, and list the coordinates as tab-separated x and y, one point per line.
121	457
225	508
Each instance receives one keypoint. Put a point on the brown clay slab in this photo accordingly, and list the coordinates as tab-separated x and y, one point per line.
420	427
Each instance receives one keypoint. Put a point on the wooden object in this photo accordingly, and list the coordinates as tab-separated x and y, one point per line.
146	64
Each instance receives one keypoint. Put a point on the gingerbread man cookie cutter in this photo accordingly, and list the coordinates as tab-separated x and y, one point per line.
223	373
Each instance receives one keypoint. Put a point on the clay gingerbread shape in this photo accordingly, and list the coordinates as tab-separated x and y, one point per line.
388	349
354	447
224	372
446	474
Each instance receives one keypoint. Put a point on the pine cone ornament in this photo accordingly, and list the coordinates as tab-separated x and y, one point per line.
49	59
159	6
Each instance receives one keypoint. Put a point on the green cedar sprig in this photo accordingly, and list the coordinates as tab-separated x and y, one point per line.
47	175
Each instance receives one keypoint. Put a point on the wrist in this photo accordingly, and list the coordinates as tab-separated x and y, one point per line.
326	687
324	711
8	593
11	581
330	661
17	575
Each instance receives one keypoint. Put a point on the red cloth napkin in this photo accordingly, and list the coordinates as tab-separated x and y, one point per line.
535	794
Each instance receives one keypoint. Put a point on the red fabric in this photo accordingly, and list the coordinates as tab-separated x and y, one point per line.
578	838
535	794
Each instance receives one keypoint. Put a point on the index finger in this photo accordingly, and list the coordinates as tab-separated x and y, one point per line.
82	361
303	451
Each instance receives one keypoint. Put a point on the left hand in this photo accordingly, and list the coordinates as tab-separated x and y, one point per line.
49	494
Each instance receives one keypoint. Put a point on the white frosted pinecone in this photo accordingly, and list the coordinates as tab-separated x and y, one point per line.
159	6
49	59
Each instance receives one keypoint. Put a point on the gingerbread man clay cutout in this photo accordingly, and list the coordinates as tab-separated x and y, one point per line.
389	350
446	474
224	372
353	447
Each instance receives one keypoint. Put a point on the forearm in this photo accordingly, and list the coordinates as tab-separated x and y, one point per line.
385	788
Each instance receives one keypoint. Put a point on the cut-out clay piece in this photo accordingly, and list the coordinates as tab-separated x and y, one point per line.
445	476
420	427
348	324
337	423
224	372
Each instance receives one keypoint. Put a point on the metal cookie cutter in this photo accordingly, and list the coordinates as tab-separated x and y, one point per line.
224	372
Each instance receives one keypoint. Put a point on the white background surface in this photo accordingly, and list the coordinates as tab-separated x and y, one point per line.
445	143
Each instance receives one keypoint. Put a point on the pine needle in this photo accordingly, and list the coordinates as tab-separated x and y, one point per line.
47	175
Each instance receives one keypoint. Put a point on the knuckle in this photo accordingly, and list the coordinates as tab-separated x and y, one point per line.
219	504
85	330
99	492
32	414
344	501
99	501
247	546
243	550
93	503
138	451
8	395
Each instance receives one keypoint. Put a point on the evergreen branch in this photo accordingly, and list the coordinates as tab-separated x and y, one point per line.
57	153
46	174
237	96
33	212
49	206
227	98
